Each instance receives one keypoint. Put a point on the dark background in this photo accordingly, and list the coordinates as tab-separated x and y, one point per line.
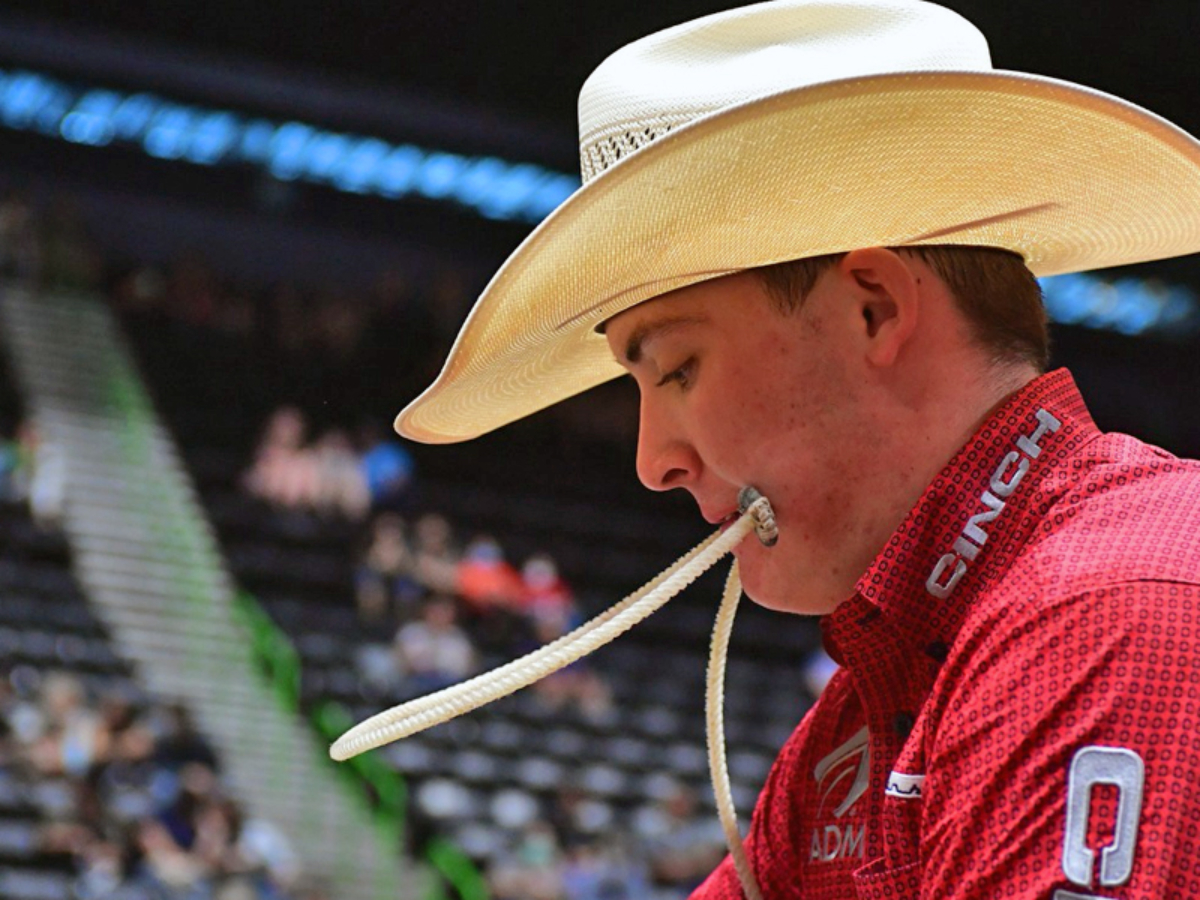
503	77
527	58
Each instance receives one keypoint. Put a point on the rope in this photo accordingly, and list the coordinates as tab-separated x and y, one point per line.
441	706
715	731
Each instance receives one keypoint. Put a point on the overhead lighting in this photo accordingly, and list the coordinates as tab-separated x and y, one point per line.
1133	306
289	150
492	187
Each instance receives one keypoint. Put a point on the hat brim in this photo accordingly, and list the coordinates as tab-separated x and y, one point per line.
1070	178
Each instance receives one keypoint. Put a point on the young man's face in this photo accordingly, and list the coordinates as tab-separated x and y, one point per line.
735	392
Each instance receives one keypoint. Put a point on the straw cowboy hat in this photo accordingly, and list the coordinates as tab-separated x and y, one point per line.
797	128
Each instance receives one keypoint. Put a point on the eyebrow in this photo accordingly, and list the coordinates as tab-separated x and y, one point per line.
650	331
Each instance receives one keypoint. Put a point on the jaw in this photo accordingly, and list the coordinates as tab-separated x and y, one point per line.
794	576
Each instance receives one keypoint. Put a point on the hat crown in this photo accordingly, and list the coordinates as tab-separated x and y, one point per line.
673	77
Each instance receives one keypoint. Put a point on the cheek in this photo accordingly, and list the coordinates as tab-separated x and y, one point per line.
756	414
807	451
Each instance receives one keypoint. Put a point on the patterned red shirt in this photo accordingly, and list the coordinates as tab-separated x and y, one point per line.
1017	712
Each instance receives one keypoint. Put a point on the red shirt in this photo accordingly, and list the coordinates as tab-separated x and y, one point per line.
1018	710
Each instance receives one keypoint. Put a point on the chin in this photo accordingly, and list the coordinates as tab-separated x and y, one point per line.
762	581
769	582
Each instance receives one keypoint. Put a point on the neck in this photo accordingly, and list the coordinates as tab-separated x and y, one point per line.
937	415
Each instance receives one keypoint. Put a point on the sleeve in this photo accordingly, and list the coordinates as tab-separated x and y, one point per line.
1063	762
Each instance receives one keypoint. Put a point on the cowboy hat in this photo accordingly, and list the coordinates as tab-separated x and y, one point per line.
798	128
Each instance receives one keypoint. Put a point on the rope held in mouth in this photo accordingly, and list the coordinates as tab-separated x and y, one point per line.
433	709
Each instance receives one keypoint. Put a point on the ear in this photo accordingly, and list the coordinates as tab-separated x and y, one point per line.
888	300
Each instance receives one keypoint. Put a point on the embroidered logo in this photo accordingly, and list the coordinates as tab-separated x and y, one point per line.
905	787
950	569
851	762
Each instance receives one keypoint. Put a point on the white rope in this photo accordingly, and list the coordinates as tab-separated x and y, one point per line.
715	730
441	706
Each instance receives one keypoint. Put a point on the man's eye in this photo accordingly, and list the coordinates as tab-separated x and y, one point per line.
682	375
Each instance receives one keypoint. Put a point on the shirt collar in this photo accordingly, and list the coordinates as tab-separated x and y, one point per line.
972	521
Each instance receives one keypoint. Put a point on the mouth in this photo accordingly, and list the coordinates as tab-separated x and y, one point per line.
751	500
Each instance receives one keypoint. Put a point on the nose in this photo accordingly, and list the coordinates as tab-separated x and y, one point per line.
666	459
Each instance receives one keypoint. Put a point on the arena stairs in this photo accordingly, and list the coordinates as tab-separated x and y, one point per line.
149	562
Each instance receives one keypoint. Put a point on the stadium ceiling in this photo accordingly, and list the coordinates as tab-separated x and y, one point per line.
527	58
483	94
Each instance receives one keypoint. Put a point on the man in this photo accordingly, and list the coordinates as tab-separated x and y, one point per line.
809	231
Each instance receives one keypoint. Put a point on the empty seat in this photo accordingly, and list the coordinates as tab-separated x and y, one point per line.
513	809
18	838
501	736
445	799
26	884
686	759
413	757
474	766
479	840
538	773
565	743
603	780
628	752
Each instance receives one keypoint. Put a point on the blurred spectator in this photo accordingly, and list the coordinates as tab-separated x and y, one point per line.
434	651
194	786
264	847
578	684
387	575
604	869
47	475
387	467
683	844
284	471
570	816
136	828
485	579
101	868
532	870
179	743
340	486
166	869
327	478
69	735
16	465
544	593
493	592
435	556
218	829
131	785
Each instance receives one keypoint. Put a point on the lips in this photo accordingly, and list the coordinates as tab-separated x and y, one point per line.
724	519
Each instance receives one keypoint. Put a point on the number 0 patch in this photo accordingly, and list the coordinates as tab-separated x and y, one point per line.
1124	770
